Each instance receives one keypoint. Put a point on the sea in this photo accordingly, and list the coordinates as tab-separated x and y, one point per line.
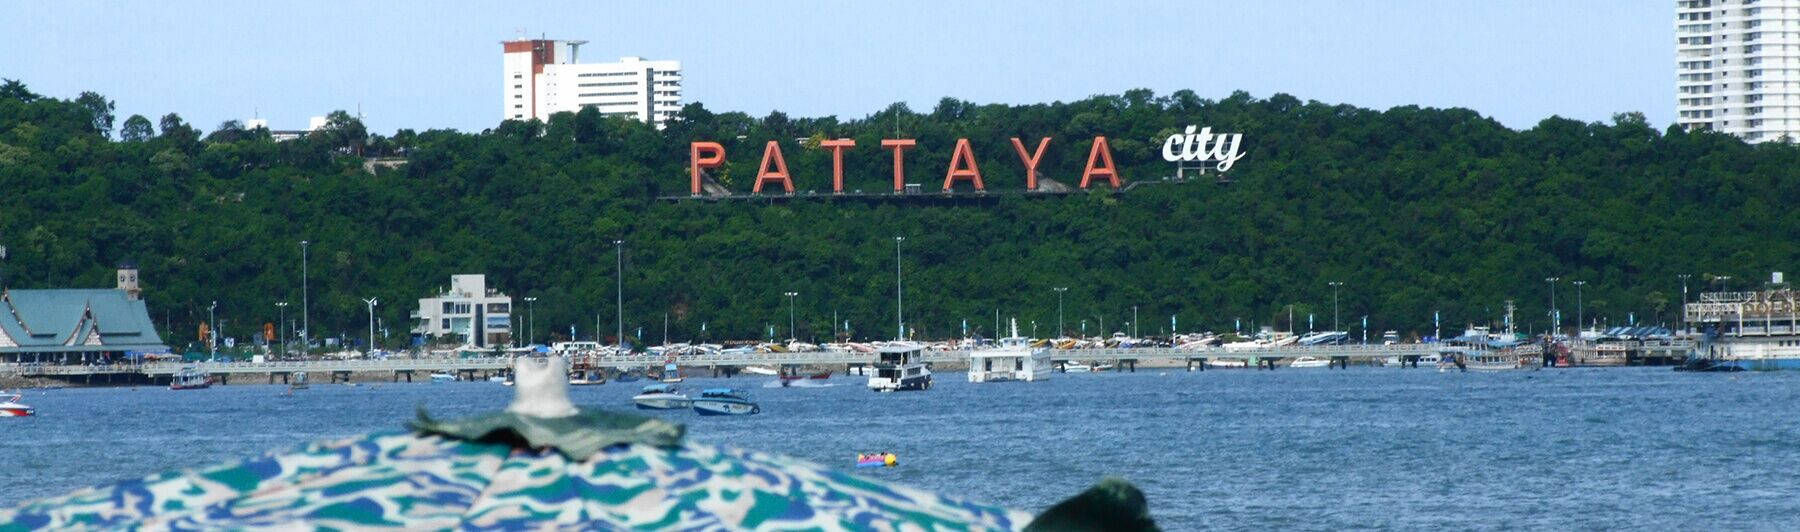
1289	449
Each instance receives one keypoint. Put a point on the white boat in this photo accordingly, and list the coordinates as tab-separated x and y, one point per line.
443	377
761	370
671	373
1097	367
190	379
11	407
1309	362
1014	359
724	402
661	397
586	378
900	366
1076	367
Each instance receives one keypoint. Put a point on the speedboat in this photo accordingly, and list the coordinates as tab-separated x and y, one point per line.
724	402
660	397
11	407
1309	362
1076	367
190	379
443	377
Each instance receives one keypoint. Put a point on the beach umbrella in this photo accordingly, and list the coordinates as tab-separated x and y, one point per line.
543	463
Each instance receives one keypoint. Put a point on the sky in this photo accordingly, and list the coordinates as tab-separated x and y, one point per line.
430	65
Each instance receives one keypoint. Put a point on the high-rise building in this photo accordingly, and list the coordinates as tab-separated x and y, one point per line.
543	77
1737	67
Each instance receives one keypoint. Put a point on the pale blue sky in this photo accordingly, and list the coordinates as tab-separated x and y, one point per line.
422	65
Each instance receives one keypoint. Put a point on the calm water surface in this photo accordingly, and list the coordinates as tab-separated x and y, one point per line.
1289	449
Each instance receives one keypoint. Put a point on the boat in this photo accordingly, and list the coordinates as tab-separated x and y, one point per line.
724	402
586	377
1076	367
11	407
443	377
761	370
298	382
671	373
1754	331
1097	367
627	376
661	397
498	378
900	366
1309	362
819	376
1013	359
190	379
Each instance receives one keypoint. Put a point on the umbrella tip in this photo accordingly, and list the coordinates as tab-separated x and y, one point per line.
541	387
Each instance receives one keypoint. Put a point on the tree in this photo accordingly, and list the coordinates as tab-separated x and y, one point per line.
100	112
136	129
13	89
229	131
343	132
174	128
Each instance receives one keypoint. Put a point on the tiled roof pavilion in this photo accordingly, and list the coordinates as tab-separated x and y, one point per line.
74	325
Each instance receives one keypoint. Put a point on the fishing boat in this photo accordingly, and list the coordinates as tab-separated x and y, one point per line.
661	397
900	366
1014	359
190	379
1309	362
443	377
724	402
11	407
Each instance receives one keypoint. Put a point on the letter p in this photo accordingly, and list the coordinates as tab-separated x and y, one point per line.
703	155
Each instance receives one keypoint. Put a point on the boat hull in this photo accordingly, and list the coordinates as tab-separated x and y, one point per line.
199	386
17	411
662	401
1765	364
916	382
716	407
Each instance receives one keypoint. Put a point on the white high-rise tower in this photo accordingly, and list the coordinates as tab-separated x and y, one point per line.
541	78
1737	67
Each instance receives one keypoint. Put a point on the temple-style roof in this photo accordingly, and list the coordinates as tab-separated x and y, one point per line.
80	320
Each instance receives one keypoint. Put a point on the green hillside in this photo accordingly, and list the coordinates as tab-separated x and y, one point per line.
1416	210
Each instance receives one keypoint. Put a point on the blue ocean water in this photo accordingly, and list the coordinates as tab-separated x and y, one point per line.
1608	448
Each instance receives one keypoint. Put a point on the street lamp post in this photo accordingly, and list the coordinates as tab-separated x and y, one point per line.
1579	324
530	320
1335	286
305	301
619	291
372	302
1684	297
790	296
280	323
1555	319
212	339
899	296
1059	311
1134	321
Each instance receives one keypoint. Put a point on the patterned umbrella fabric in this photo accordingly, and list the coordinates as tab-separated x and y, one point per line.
522	469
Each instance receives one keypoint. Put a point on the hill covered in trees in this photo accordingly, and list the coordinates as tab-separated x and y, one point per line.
1415	210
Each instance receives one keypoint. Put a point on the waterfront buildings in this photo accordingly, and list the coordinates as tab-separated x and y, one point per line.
1737	67
542	77
478	315
78	325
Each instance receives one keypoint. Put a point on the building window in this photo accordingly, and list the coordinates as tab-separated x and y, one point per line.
499	308
446	324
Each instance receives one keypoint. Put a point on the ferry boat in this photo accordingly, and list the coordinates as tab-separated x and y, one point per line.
724	402
1309	362
1014	359
190	379
11	407
661	397
1755	331
900	366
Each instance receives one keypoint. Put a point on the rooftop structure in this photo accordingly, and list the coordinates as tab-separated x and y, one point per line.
481	316
542	77
77	325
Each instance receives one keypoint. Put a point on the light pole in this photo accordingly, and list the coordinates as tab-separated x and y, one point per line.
619	291
282	322
530	320
372	302
212	340
1723	285
305	302
1579	324
1134	321
899	296
1555	320
1335	286
790	296
1059	311
1684	294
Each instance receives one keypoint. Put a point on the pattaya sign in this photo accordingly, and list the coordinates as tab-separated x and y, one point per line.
773	171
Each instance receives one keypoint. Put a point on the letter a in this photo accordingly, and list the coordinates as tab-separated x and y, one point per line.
714	156
973	172
778	175
1100	153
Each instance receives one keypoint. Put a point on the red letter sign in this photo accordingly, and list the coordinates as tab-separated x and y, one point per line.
972	173
715	156
1100	151
899	146
779	175
837	148
1031	163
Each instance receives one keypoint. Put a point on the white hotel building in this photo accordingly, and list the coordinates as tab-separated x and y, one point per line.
468	311
542	77
1737	67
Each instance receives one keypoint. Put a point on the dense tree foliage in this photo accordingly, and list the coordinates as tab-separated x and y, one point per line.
1416	210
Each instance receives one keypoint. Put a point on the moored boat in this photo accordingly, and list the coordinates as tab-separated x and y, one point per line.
661	397
900	366
1309	362
190	379
724	402
1014	359
443	377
